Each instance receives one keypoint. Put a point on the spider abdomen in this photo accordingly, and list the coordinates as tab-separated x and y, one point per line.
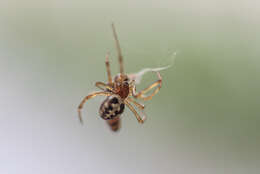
111	107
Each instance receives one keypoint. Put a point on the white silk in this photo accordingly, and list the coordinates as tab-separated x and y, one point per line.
137	77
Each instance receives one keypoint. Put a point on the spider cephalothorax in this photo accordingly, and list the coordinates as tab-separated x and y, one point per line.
120	92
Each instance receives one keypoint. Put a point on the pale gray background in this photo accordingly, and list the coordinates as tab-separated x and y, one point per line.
204	120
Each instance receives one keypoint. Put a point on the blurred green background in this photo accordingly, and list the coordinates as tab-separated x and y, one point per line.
204	120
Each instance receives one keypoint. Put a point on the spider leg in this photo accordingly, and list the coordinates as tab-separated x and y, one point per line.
120	57
141	95
104	86
140	106
87	98
138	117
108	70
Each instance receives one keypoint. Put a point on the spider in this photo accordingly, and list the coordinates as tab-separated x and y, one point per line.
120	91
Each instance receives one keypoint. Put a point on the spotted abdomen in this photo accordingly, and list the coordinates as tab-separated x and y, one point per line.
111	107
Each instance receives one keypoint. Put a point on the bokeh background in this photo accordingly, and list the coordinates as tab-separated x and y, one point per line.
204	120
